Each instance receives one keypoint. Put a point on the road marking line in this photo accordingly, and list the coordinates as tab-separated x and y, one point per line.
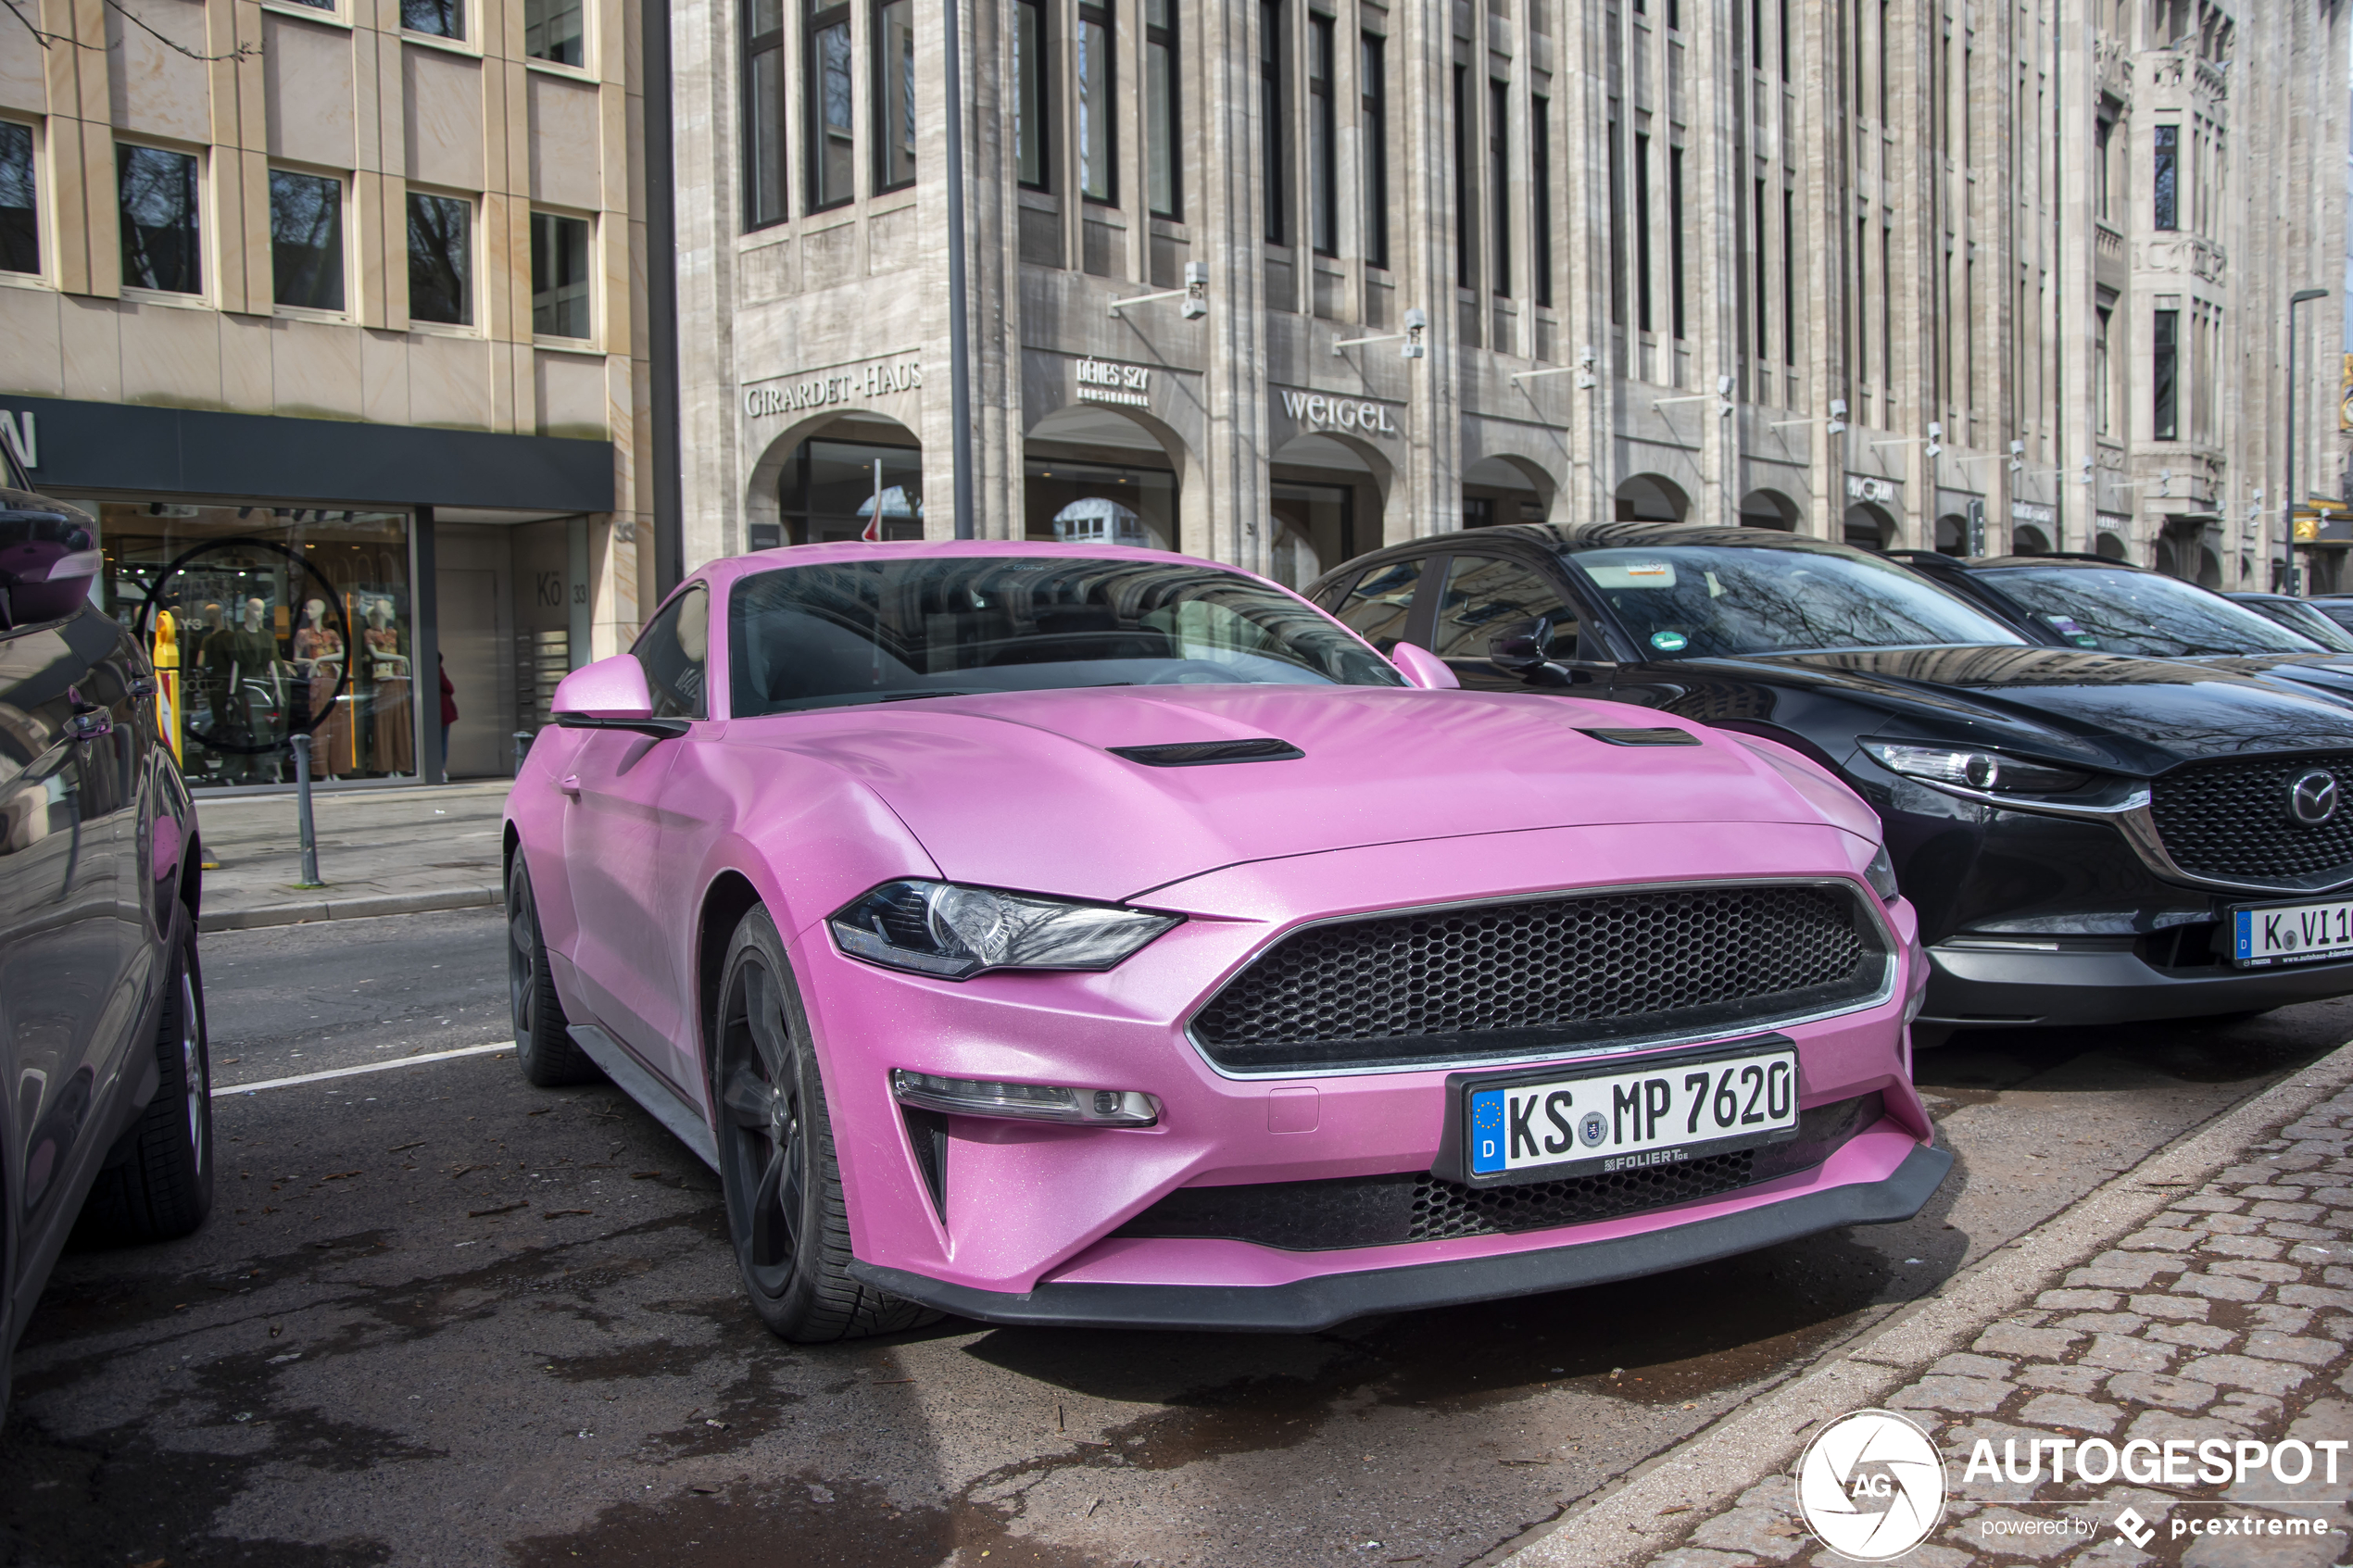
364	1067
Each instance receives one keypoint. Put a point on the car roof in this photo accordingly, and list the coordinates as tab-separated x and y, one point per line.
1625	535
729	567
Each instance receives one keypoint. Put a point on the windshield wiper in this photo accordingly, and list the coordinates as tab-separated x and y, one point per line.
909	697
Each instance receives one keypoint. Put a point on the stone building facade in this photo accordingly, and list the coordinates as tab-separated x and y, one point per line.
327	309
1920	274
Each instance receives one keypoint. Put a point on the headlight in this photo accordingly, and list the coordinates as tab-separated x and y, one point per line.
953	931
1987	771
1880	874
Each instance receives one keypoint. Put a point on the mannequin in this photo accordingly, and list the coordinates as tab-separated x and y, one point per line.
393	719
318	657
236	659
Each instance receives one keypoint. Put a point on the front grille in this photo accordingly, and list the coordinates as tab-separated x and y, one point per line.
1416	1206
2229	820
1528	979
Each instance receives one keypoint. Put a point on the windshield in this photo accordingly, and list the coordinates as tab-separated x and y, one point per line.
882	631
2141	612
1690	601
2297	615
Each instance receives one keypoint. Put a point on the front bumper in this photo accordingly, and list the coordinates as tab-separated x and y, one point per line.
2078	982
1320	1300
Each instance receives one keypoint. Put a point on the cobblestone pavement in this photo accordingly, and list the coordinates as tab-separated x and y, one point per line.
2226	1315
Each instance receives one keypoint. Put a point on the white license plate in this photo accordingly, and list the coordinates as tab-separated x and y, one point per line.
1660	1112
2291	933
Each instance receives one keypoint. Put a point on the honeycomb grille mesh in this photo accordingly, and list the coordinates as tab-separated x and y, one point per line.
1447	984
2229	820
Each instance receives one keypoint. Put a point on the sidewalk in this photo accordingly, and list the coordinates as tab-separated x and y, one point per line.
380	852
2206	1295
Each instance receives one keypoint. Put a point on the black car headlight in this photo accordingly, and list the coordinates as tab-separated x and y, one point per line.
1990	773
1880	874
954	932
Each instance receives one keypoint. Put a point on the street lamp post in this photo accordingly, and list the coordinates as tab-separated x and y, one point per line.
2287	505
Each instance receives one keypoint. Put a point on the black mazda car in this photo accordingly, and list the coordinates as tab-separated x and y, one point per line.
2089	838
105	1114
2073	601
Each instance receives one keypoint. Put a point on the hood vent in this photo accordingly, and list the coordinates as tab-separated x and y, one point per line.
1201	753
1644	737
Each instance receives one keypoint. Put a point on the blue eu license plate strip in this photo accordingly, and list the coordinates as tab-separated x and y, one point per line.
1661	1112
2290	933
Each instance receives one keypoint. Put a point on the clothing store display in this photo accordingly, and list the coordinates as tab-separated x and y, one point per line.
317	653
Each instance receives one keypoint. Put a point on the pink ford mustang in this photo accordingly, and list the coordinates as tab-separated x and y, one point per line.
1086	935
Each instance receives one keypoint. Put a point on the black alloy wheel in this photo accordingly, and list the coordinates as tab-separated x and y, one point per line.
158	1181
544	1046
786	1212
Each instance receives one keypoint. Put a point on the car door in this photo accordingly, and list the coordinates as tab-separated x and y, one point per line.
622	926
1485	596
65	1008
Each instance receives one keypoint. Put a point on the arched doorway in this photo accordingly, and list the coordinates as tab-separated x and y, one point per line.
831	484
1324	497
1497	490
1952	534
2107	547
1868	527
1768	509
2210	569
1650	498
2028	540
1091	475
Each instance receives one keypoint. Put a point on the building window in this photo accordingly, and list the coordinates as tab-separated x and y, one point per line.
2102	374
1274	146
1374	83
2103	148
894	44
1499	183
1642	232
440	259
1616	225
161	242
443	18
559	276
1030	95
1322	136
765	201
1675	239
1539	150
2165	370
1097	112
552	31
1463	276
306	240
1862	300
2168	172
1764	282
1789	270
833	136
19	213
1164	94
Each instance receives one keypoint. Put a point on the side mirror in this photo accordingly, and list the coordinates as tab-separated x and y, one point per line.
1423	669
611	695
1523	649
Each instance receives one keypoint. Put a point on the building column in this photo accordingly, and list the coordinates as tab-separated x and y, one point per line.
1233	523
1431	477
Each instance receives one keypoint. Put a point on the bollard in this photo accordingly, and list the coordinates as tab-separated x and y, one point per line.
302	811
523	749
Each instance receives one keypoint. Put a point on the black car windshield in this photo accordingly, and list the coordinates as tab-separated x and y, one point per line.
1693	601
2116	610
919	626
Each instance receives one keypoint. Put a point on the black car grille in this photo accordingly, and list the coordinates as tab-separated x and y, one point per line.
2229	820
1416	1206
1501	980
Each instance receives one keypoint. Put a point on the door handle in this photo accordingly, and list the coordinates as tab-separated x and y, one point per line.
90	726
571	785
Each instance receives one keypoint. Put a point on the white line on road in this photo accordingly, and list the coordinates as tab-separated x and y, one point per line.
364	1067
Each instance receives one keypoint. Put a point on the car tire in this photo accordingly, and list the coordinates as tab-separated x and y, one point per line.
786	1212
163	1187
543	1037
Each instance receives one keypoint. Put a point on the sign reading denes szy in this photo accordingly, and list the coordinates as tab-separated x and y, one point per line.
1105	380
792	393
1318	412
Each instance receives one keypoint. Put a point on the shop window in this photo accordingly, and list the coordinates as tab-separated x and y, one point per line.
1030	95
1163	92
20	212
1377	608
559	295
764	199
833	490
442	19
265	622
675	649
440	259
1098	113
552	31
1312	524
1076	503
162	243
306	240
1484	595
894	35
833	136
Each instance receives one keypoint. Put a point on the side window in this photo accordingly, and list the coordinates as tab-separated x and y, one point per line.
1484	595
675	647
1376	607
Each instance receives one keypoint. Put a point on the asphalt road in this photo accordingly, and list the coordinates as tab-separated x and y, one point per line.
443	1318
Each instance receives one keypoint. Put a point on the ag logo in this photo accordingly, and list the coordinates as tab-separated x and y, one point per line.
1872	1485
2313	798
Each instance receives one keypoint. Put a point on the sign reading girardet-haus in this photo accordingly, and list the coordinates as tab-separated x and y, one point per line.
793	392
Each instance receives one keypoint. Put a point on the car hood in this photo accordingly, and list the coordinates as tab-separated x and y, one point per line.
2112	711
1017	790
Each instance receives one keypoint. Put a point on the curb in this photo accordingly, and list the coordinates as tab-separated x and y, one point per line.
1632	1523
350	908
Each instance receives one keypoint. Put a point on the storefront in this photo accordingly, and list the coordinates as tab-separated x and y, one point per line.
283	575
